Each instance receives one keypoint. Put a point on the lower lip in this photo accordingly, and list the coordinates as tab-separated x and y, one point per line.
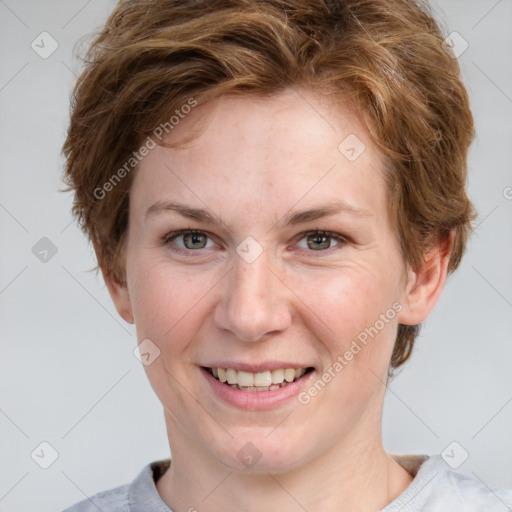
256	400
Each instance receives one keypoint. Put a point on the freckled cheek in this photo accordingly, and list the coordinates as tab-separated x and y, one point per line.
167	303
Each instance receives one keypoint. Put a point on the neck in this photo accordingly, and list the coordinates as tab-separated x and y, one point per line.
353	476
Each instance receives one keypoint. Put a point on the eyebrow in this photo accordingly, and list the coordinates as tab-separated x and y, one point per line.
290	219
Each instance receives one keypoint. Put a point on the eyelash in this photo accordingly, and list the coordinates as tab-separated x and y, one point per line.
170	237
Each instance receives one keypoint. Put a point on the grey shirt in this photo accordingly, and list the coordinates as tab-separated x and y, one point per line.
435	488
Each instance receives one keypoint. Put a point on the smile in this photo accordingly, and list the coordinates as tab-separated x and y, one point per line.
268	380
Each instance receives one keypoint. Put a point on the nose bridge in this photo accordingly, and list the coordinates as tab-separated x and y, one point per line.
254	302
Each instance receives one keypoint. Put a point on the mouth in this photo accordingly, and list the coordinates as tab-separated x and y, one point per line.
268	380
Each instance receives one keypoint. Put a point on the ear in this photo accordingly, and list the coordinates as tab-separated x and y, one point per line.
425	285
121	298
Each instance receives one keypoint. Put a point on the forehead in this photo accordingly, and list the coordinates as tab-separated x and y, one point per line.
268	153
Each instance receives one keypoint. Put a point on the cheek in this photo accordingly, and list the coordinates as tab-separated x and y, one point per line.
335	305
357	347
351	314
166	302
345	300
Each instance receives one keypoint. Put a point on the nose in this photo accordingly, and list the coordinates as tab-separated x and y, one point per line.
254	301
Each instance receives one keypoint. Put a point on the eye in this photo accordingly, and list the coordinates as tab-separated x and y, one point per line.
191	240
320	240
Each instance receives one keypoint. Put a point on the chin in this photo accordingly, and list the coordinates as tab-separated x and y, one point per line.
260	453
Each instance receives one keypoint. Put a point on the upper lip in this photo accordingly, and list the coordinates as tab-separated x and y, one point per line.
256	367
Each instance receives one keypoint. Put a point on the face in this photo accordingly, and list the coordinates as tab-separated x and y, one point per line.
291	264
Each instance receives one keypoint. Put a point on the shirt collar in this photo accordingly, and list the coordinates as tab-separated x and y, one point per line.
143	494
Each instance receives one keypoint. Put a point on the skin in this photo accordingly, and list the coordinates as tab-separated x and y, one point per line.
255	161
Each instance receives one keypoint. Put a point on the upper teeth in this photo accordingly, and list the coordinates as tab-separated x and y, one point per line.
266	378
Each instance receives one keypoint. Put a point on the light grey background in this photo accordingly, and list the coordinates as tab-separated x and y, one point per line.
67	371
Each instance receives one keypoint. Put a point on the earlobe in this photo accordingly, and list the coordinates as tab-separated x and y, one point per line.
425	285
121	298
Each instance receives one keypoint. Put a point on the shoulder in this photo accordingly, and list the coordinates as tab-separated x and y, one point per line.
475	494
113	500
437	488
140	495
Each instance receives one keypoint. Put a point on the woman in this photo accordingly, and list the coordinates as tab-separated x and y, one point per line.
275	192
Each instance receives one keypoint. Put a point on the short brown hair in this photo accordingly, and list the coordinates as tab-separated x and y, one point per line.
387	56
